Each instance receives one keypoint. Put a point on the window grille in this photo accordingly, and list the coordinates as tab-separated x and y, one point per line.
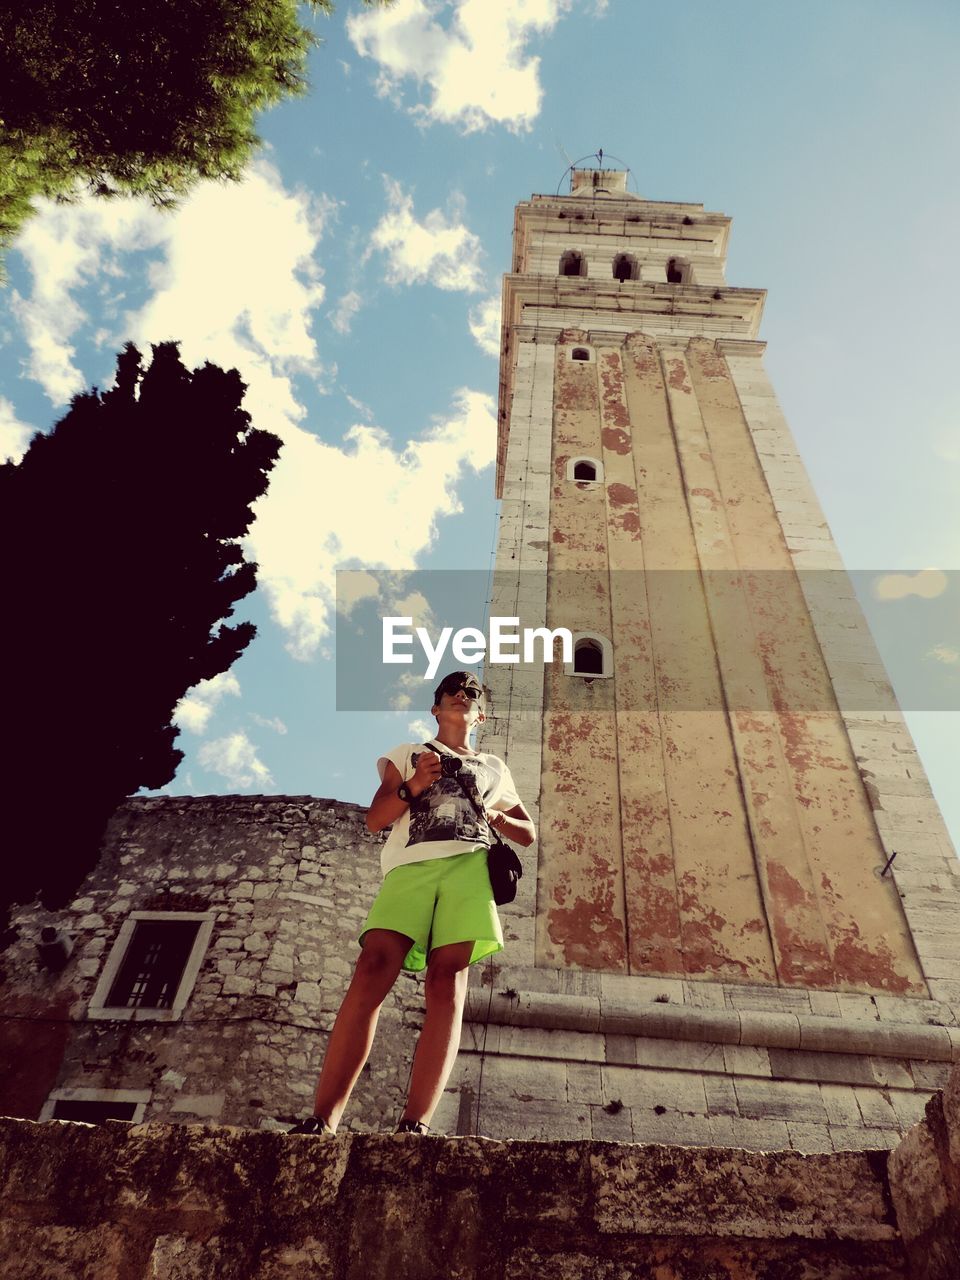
153	965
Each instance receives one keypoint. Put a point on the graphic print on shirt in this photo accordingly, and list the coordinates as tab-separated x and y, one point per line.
444	813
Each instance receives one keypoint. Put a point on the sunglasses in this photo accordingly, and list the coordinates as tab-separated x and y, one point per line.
473	694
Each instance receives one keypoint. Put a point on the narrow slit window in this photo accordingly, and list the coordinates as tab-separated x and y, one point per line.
584	470
571	264
587	658
624	267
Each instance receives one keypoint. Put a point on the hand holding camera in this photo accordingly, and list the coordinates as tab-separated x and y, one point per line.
428	767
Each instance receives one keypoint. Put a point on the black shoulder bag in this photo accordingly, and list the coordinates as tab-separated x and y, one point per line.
503	865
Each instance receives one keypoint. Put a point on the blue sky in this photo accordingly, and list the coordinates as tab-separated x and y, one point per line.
353	279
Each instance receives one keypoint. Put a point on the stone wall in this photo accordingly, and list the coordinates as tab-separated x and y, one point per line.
289	880
547	1053
181	1202
123	1202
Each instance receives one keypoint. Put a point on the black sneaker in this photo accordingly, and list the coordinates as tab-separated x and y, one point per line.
413	1126
315	1125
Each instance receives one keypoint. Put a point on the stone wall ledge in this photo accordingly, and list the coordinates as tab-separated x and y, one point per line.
623	1016
121	1202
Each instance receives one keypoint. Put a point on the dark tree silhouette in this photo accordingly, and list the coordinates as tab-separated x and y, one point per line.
138	96
120	533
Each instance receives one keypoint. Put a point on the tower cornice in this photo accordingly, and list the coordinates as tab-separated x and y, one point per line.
544	306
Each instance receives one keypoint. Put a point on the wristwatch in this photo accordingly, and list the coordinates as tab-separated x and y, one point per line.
405	794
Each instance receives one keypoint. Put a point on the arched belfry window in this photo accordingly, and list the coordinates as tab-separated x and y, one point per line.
592	656
572	264
625	267
579	353
585	470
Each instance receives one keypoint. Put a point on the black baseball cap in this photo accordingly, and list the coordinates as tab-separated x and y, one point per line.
454	681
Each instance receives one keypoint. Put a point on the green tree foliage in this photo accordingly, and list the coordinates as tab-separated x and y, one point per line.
122	563
137	96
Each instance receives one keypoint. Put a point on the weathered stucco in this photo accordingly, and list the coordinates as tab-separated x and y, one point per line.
703	813
723	783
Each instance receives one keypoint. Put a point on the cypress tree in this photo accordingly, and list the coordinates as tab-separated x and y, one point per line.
123	564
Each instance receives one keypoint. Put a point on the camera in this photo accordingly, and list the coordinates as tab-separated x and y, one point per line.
450	766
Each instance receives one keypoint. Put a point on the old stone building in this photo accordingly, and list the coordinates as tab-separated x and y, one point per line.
714	944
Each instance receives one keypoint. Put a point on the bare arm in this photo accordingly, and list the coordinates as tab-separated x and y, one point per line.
515	825
386	806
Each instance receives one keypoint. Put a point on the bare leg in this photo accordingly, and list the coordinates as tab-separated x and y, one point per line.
352	1035
445	990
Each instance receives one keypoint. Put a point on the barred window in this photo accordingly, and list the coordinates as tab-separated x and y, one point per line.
153	964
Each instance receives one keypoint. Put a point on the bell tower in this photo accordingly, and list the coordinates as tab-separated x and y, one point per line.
723	773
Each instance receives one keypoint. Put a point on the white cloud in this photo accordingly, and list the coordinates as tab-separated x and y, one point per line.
234	278
353	586
469	55
440	250
945	653
342	315
421	730
14	434
66	247
235	759
195	708
276	724
485	325
415	606
358	406
236	282
239	284
371	503
411	688
926	583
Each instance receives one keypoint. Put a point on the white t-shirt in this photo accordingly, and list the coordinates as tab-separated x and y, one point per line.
442	821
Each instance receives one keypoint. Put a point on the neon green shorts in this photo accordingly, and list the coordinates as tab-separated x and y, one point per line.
436	902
